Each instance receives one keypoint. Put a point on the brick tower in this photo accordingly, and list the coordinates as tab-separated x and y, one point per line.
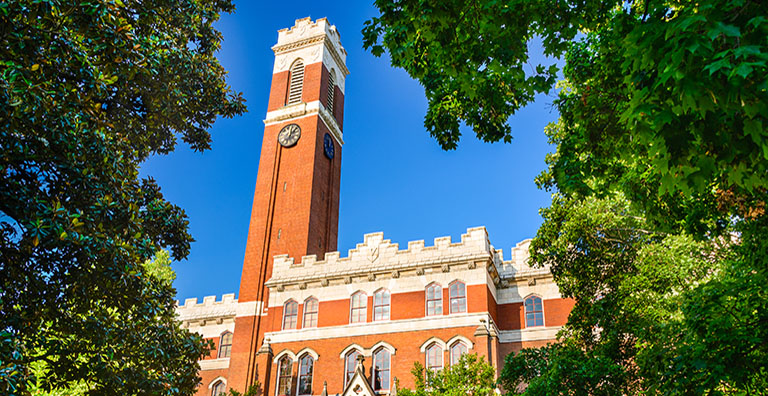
296	203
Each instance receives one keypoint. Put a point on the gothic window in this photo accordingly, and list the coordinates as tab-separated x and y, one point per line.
284	369
381	305
534	312
350	362
358	308
434	299
290	314
457	349
434	357
225	345
306	366
296	85
331	88
218	388
381	369
310	313
458	296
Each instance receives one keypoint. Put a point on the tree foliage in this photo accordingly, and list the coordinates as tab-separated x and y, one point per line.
471	376
88	91
658	227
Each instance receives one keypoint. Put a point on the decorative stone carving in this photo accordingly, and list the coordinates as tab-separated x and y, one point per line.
532	282
445	268
395	274
371	277
419	271
303	286
347	280
324	282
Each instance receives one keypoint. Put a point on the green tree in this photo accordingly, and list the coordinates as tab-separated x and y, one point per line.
89	90
471	376
658	227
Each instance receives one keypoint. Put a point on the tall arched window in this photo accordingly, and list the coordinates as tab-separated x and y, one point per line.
358	308
434	357
434	299
284	373
534	312
290	314
381	360
457	349
331	89
225	345
306	367
458	296
350	362
219	388
381	305
296	85
310	313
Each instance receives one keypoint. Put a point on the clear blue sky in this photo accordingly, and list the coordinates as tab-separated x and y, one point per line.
394	176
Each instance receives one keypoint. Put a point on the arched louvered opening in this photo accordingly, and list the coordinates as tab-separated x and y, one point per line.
331	89
296	85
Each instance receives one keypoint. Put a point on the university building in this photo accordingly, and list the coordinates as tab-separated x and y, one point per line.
309	321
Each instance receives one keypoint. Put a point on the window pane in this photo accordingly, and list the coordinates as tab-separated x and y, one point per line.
381	370
305	375
284	377
350	363
457	350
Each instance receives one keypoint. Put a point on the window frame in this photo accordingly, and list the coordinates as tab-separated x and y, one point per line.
355	311
439	354
374	369
302	359
294	315
437	300
309	312
455	359
348	374
283	363
536	314
218	392
222	345
462	298
385	293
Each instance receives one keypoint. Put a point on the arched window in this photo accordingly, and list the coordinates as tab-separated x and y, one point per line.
381	360
296	85
284	368
290	314
534	312
381	305
306	366
458	296
457	349
310	313
358	308
434	299
434	357
219	388
225	345
350	362
331	88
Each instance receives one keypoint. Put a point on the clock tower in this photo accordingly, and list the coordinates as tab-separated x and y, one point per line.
296	203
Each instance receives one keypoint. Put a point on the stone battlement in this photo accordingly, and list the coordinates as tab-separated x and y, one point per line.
305	30
377	254
209	308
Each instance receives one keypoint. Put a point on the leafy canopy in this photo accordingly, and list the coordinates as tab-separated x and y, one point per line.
88	90
658	227
471	376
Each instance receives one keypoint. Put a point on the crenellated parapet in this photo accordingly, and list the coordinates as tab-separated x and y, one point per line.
378	258
210	311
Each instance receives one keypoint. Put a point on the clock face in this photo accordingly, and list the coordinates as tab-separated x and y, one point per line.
289	135
328	146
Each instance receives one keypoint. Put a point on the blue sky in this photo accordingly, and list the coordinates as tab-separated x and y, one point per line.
394	178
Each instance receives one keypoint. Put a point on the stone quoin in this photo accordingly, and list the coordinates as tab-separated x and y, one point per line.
309	321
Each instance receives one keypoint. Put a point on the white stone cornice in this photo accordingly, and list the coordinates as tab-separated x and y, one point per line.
530	334
213	364
304	109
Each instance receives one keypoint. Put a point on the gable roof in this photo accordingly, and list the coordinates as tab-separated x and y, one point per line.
358	385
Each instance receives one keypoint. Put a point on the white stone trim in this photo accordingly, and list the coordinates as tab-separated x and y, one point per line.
306	109
539	333
465	340
430	341
392	326
214	364
282	353
307	351
250	308
384	345
351	347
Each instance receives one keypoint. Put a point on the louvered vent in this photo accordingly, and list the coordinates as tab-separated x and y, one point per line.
297	82
331	89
